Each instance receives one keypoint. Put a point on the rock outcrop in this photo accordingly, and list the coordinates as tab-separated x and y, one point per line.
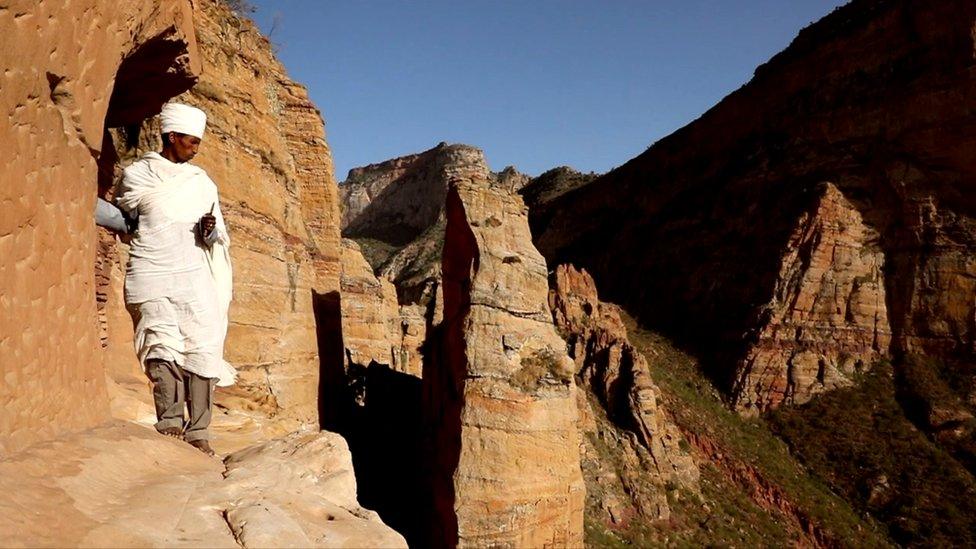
827	319
265	148
373	330
396	200
701	236
69	72
617	375
126	486
394	210
501	398
79	88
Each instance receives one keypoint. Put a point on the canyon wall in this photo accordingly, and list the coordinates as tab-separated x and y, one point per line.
824	205
501	397
265	149
394	211
69	72
617	380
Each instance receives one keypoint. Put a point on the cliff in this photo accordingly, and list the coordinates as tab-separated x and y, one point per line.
68	76
814	221
501	397
809	241
618	380
81	88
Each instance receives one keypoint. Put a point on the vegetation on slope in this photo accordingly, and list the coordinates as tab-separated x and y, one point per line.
861	441
754	492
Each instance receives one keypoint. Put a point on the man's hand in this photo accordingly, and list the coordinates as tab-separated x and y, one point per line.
207	223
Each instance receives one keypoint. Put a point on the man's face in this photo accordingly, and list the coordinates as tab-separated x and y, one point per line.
184	146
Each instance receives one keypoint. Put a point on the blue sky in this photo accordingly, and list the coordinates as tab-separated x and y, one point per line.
535	83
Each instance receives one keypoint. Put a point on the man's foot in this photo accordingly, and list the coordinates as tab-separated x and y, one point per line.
174	432
203	446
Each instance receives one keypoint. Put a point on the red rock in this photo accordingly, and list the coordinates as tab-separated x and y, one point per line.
698	236
617	374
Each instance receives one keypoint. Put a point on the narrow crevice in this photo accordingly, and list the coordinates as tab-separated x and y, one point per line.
225	514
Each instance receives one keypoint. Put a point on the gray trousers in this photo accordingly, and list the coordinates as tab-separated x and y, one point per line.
172	386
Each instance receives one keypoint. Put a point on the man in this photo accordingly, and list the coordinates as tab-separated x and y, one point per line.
178	280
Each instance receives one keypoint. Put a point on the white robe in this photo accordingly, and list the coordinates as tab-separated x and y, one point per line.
181	289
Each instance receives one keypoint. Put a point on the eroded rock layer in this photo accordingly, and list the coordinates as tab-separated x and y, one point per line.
62	65
501	398
372	332
617	375
827	319
124	485
698	235
396	200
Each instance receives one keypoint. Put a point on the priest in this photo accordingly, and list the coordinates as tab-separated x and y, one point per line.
178	279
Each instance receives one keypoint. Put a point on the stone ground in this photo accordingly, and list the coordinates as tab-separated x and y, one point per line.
124	485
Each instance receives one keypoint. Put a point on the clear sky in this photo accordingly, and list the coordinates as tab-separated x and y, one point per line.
534	83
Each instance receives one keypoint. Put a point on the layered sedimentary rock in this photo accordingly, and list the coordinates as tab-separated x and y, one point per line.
396	200
827	319
617	375
511	179
372	327
395	212
265	149
697	235
68	71
501	397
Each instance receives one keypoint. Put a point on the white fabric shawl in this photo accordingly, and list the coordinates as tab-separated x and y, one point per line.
166	259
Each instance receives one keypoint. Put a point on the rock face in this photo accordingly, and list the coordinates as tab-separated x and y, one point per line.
827	319
395	212
501	398
373	331
703	235
265	149
617	375
116	486
396	200
68	74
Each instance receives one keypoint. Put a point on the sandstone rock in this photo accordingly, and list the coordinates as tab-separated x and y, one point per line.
370	313
827	319
68	72
125	485
691	235
511	179
396	200
395	211
617	375
501	399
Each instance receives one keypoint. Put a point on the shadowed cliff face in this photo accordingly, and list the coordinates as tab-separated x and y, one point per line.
727	237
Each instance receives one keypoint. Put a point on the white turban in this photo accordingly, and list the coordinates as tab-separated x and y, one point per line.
180	118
